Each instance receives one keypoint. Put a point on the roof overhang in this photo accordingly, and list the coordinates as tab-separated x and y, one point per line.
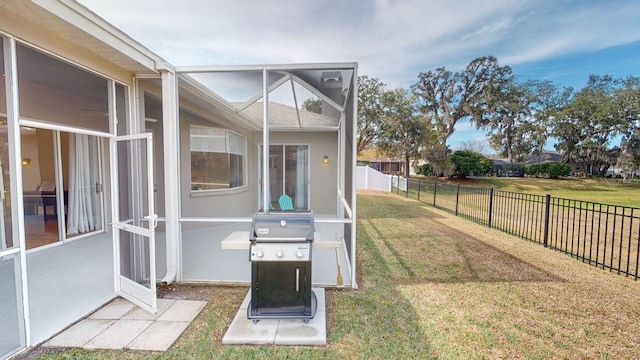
78	25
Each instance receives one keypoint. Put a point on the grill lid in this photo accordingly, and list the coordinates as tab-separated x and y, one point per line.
281	226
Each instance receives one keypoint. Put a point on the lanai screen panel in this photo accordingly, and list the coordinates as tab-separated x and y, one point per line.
298	99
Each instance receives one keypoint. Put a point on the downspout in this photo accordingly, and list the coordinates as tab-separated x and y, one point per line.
170	132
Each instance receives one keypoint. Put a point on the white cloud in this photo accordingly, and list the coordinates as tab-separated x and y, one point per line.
391	40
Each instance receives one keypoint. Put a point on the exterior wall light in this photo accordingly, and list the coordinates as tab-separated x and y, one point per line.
325	160
26	161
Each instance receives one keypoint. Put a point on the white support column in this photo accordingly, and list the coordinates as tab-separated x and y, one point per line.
15	175
171	136
266	195
354	155
342	165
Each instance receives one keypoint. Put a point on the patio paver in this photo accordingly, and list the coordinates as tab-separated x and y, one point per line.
122	325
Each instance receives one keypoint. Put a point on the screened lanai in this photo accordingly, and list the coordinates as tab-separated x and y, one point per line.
304	113
120	171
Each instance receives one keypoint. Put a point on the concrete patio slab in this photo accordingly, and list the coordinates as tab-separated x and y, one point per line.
113	310
243	331
142	314
118	335
159	336
183	310
122	325
80	333
296	332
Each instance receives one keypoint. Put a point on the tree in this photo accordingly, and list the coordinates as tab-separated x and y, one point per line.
404	133
447	98
468	162
479	146
547	100
370	110
312	105
587	124
437	154
507	119
627	165
627	100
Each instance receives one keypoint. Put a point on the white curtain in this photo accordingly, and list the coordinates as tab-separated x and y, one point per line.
82	179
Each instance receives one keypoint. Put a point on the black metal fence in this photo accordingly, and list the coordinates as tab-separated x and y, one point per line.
606	236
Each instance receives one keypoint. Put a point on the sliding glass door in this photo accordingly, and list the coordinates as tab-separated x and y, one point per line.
62	186
288	175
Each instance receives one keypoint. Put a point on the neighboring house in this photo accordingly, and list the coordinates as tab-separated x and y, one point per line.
543	157
388	166
120	170
502	167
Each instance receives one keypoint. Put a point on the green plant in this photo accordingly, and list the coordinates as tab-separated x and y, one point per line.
552	170
468	163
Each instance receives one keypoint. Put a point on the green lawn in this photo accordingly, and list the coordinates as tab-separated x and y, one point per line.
595	190
433	286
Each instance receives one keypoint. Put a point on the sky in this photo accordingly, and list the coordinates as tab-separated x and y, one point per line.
393	40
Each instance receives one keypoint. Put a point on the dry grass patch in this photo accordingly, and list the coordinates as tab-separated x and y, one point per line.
482	294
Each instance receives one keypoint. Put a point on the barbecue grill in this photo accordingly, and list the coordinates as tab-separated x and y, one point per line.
280	255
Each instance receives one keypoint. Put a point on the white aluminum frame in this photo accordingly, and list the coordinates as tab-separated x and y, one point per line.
15	175
343	203
130	290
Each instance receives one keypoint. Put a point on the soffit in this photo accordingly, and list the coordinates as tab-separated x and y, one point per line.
78	25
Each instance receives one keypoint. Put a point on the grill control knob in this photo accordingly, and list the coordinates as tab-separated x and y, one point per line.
299	254
279	253
259	253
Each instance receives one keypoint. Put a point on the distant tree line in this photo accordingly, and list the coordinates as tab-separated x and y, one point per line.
519	117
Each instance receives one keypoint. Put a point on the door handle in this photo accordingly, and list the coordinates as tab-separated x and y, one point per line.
297	279
153	218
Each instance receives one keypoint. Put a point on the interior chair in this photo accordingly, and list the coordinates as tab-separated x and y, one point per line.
285	202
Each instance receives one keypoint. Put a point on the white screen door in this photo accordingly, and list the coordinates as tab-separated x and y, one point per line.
134	219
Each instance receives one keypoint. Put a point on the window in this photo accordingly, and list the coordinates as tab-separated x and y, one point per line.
217	158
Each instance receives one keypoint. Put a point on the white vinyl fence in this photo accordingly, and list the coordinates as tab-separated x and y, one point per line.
368	178
399	182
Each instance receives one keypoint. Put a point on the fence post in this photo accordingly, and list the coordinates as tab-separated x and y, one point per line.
457	197
546	219
406	188
418	189
490	207
435	190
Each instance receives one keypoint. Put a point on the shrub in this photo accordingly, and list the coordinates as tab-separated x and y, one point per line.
425	170
468	162
551	170
558	169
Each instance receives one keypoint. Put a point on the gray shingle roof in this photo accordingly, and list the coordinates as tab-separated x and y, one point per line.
286	116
